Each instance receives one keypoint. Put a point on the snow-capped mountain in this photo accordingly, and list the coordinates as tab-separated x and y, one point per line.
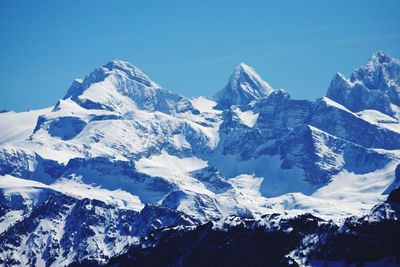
120	156
244	86
118	86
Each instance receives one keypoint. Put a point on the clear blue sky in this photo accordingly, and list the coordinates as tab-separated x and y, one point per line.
190	47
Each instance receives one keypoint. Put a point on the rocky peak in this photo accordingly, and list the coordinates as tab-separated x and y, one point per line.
381	72
244	86
375	85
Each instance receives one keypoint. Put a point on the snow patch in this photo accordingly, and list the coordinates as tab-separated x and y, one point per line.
204	104
162	164
378	118
180	141
248	118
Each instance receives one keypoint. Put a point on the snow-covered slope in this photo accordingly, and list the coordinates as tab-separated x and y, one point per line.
124	156
18	126
42	226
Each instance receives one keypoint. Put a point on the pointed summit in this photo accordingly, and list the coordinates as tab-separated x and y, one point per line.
244	86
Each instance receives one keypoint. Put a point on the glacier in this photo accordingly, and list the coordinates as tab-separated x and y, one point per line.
120	156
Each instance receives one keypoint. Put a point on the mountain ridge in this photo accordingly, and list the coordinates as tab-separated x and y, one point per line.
122	143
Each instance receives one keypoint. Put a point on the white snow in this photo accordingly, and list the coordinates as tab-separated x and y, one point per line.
119	198
358	193
10	183
369	115
139	130
254	77
31	190
276	181
9	219
378	118
17	126
244	86
168	166
248	118
332	103
180	141
144	135
204	104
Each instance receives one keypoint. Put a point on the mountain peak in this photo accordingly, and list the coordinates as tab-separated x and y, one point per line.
381	57
119	64
243	67
120	86
244	73
118	69
244	86
374	85
130	70
381	72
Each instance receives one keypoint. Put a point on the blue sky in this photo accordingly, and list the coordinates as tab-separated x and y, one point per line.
189	47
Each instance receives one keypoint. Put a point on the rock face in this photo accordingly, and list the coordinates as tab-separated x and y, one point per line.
321	138
119	158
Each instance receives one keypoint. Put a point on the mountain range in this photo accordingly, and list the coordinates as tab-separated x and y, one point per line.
121	169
